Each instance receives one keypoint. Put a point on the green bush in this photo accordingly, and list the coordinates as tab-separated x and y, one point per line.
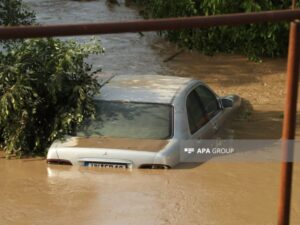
14	12
46	87
253	40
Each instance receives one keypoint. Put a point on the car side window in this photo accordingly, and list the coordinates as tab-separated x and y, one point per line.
209	101
195	112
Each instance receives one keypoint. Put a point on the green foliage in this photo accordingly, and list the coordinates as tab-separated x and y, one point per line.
46	89
253	40
14	12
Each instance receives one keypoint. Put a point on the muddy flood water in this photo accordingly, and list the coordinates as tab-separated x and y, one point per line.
213	193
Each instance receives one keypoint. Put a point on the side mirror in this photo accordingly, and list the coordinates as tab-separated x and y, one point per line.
226	103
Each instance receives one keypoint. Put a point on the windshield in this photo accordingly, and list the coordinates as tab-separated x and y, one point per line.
129	120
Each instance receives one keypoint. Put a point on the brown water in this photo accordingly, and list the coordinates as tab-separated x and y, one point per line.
211	193
220	193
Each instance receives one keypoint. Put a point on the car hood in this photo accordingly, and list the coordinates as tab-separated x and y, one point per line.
113	143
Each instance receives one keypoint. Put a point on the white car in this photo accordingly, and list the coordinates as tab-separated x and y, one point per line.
141	120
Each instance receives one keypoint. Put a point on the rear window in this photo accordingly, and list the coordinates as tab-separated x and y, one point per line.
129	120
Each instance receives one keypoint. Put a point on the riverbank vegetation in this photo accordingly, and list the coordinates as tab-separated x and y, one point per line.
253	40
46	87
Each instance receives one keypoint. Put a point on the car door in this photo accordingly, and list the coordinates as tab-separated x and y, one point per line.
198	121
212	107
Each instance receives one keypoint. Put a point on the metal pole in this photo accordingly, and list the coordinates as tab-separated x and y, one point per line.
148	25
289	124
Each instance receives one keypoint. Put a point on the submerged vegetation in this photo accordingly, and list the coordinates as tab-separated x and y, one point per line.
253	40
46	87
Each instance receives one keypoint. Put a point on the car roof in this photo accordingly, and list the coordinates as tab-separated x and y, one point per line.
141	88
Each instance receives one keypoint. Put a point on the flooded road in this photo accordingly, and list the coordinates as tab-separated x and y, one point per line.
125	53
212	193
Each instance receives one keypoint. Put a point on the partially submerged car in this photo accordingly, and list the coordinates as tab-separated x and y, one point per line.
140	121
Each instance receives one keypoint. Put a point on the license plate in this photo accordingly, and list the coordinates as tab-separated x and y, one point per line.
105	165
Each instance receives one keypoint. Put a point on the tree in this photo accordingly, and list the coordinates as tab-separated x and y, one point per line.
252	40
14	12
46	89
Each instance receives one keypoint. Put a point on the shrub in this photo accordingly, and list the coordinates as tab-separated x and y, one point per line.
46	89
14	12
253	40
